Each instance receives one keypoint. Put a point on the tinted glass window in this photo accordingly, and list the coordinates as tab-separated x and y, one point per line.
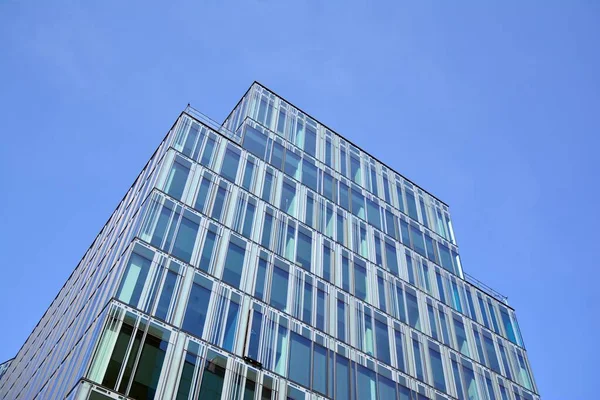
234	263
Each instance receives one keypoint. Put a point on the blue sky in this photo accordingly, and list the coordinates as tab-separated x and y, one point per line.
492	106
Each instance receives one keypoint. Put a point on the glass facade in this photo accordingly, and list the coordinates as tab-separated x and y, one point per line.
269	258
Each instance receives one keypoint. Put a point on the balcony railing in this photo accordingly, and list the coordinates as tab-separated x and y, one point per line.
475	282
218	127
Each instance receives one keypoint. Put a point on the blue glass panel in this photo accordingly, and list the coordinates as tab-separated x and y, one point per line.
304	249
391	258
133	279
418	359
320	310
341	320
207	251
309	174
248	173
491	353
508	326
266	233
445	257
279	289
300	359
277	156
248	220
342	377
197	307
230	325
176	180
360	280
366	385
230	164
358	204
234	262
319	379
292	165
412	205
413	310
208	152
255	142
399	350
373	214
260	279
307	306
219	203
437	369
417	241
461	336
310	140
255	330
202	194
457	381
165	296
383	342
161	226
186	237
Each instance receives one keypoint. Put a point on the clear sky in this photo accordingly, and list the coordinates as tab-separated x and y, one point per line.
492	106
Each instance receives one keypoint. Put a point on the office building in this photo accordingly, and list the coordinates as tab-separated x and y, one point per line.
270	258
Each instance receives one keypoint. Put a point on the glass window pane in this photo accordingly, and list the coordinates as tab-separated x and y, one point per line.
383	342
373	214
277	155
288	198
300	355
202	194
491	353
165	295
310	141
309	174
234	262
219	203
279	288
207	252
231	325
412	205
260	279
134	278
355	169
255	142
342	379
360	280
230	164
437	369
398	338
266	233
358	204
292	165
417	240
386	388
213	377
418	359
145	381
366	385
304	251
248	174
461	336
186	237
197	307
391	258
176	180
319	371
413	310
